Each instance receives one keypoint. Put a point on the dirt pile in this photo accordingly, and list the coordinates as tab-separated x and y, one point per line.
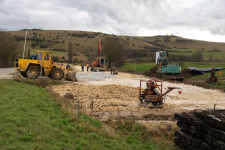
153	72
186	73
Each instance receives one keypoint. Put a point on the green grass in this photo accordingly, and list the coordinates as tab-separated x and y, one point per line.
138	67
219	85
203	64
29	119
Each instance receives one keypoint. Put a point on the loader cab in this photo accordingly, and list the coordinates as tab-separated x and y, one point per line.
44	58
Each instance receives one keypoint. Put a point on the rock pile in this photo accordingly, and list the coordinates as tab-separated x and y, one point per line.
203	130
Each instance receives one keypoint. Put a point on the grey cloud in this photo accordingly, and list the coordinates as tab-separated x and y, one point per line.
114	16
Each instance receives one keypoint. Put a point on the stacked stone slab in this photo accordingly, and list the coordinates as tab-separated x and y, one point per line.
204	130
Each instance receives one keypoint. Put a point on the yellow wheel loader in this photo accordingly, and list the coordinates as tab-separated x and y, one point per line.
42	64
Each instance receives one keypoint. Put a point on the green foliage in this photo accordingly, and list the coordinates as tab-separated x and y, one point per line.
33	45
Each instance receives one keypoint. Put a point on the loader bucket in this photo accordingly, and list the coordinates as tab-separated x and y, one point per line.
71	76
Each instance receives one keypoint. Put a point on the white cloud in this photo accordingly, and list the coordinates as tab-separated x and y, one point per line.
204	18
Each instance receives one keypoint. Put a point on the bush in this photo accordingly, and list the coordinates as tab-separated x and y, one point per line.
33	45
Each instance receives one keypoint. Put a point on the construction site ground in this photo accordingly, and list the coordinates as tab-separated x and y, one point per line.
110	97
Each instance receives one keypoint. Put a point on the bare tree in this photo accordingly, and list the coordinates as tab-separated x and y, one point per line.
114	49
9	49
70	52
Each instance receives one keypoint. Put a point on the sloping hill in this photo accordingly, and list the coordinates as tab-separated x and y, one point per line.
140	48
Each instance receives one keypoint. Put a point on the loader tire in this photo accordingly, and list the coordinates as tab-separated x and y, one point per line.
33	72
57	74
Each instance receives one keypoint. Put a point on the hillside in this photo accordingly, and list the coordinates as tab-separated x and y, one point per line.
141	49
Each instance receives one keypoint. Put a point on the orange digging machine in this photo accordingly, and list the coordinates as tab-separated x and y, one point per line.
100	63
152	95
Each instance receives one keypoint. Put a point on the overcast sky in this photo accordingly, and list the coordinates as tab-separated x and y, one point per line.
195	19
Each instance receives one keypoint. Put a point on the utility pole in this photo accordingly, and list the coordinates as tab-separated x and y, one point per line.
24	47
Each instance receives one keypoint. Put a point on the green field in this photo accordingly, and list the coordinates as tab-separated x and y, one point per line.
140	67
32	119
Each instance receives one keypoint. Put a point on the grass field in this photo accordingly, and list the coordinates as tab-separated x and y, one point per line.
31	119
141	67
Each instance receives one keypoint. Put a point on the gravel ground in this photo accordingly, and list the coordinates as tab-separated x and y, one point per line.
113	93
5	71
192	97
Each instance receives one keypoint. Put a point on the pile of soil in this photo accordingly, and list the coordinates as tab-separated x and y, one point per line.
186	73
153	72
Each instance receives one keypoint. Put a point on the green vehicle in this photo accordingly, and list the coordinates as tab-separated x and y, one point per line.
165	70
